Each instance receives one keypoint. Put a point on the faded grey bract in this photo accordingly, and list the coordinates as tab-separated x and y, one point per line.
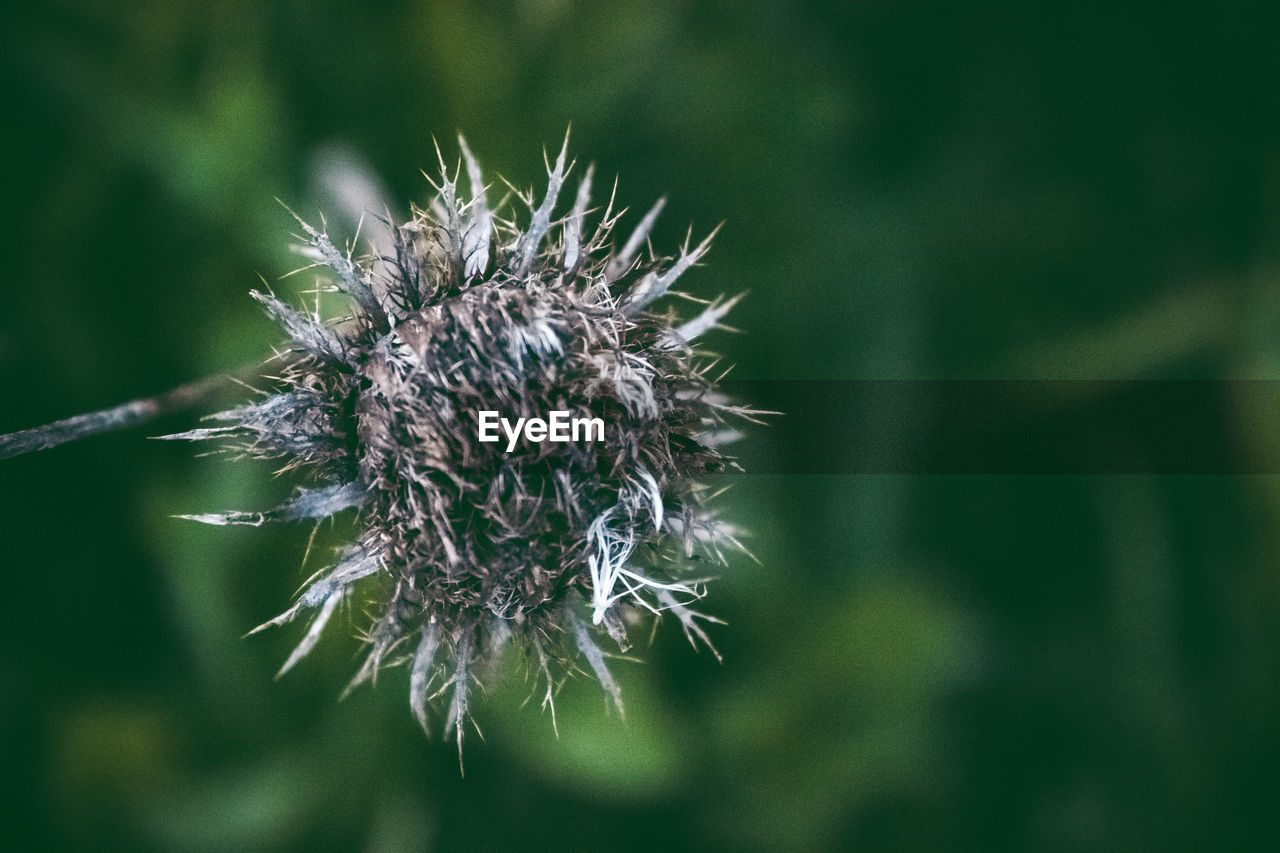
462	546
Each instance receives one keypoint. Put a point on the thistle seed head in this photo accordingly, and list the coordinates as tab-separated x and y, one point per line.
463	545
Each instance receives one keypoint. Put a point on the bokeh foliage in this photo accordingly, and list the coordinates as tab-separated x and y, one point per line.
910	190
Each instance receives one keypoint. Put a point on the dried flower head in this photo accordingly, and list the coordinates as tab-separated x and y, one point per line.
466	544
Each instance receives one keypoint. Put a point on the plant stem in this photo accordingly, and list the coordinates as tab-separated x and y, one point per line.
118	417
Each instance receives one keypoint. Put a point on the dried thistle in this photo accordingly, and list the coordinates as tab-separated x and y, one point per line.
465	546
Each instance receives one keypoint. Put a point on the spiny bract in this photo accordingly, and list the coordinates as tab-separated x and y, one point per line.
464	545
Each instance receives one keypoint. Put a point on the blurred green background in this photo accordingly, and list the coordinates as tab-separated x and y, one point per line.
910	190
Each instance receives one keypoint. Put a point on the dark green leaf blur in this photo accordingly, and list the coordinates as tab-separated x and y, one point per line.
910	190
